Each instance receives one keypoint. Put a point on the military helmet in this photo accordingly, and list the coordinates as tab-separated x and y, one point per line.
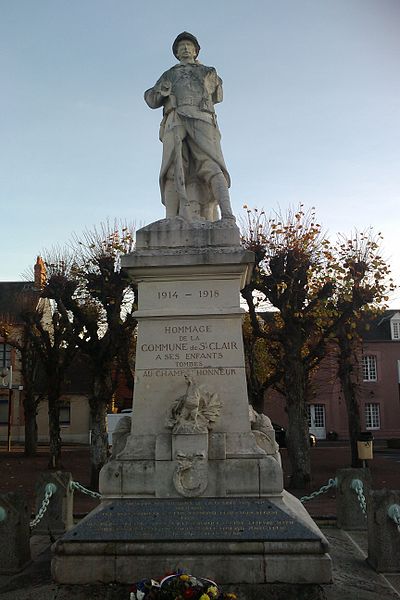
185	36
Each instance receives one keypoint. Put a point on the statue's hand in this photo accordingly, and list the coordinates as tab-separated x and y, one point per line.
165	88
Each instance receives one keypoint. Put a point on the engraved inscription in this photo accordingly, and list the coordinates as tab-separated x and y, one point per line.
219	371
173	294
167	295
210	294
189	346
201	519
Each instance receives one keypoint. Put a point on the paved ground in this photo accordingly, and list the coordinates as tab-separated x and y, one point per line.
353	578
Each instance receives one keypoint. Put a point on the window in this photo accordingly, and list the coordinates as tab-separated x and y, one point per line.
5	355
319	415
3	411
369	368
65	414
316	415
395	325
372	416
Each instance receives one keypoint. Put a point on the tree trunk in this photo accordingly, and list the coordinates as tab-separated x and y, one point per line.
99	440
298	443
255	395
54	432
347	371
101	399
31	431
354	424
255	391
29	363
257	402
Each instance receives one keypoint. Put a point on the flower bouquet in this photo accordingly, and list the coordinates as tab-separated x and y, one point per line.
179	586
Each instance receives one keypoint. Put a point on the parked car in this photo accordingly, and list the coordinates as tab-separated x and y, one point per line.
280	436
112	422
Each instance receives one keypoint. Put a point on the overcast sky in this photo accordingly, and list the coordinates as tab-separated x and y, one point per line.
311	112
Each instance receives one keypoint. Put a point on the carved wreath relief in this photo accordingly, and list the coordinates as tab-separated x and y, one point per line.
194	412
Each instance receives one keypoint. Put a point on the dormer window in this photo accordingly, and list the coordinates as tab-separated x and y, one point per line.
395	327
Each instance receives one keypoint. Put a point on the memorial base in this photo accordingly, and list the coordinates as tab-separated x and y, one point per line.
196	483
231	541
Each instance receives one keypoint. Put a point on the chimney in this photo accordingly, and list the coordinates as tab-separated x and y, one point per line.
40	273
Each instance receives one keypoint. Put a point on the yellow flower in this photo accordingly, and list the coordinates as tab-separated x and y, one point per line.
212	591
204	597
184	577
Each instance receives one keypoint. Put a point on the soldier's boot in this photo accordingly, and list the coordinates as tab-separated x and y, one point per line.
220	190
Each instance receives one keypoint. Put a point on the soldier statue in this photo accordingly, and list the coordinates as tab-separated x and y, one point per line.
194	180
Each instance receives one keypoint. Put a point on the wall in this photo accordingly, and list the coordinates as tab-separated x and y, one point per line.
78	429
385	390
326	390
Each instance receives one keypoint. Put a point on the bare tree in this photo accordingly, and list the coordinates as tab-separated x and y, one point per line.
100	309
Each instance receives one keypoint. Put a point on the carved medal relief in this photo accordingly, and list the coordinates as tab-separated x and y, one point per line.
191	474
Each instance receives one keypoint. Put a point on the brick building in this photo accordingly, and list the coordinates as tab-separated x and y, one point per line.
379	394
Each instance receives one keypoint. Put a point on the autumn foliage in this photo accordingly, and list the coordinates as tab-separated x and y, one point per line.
316	290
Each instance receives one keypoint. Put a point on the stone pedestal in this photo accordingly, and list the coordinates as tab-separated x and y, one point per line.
383	533
59	514
348	510
191	443
15	551
190	326
237	540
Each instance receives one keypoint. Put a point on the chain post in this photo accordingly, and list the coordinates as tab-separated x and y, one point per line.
15	552
322	490
358	486
50	489
394	514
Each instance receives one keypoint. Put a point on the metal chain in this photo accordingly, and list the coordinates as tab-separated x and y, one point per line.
50	489
358	487
74	485
394	514
322	490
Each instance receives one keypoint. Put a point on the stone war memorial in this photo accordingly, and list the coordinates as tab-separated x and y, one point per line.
196	482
